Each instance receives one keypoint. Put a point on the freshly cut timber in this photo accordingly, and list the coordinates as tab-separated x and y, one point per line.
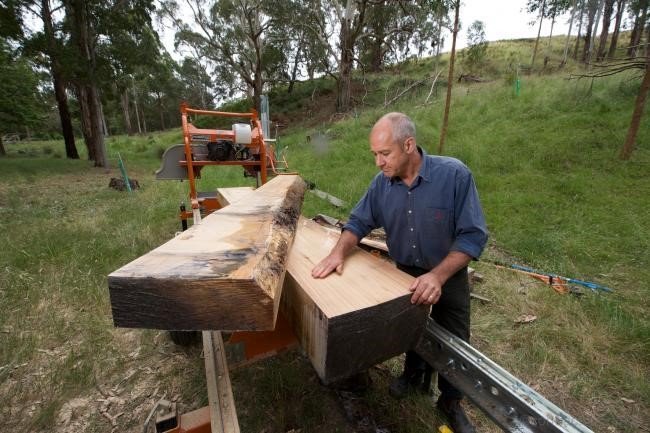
225	273
352	321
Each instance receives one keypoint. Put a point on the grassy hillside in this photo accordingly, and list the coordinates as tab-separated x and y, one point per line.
555	195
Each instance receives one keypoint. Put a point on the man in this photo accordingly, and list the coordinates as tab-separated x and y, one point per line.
430	210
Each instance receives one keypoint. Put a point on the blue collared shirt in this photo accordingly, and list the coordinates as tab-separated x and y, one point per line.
440	212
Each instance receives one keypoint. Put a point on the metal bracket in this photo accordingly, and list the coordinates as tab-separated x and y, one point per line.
512	404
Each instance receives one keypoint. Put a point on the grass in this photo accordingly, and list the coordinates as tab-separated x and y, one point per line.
555	195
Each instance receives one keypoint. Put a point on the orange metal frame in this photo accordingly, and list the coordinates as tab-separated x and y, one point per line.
256	345
257	146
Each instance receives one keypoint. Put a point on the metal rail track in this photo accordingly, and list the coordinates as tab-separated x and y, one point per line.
509	402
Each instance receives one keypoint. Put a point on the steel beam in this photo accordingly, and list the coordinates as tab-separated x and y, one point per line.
509	402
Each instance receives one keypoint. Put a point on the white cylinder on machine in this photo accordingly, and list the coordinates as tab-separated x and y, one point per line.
242	133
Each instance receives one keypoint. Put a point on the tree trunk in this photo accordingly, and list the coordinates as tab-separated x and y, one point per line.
550	35
592	44
3	152
135	106
376	54
104	124
296	63
582	14
637	31
64	114
97	127
568	35
344	83
82	36
620	7
438	43
58	82
639	105
144	121
161	110
124	102
607	17
450	80
539	32
591	13
82	98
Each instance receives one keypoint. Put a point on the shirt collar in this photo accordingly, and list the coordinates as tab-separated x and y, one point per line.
422	173
424	167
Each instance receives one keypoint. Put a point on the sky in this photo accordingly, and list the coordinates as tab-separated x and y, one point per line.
504	19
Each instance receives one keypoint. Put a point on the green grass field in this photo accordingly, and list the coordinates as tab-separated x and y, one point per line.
556	198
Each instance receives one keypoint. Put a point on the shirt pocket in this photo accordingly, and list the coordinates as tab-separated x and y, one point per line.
437	222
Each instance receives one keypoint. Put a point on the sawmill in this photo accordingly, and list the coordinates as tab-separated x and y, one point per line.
240	275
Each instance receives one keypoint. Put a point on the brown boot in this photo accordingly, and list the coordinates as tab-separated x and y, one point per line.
455	413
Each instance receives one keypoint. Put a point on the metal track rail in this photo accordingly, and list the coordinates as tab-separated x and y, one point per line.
511	404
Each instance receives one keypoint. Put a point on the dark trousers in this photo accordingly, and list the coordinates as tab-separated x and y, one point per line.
452	312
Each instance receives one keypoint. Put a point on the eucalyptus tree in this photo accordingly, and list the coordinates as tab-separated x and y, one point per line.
350	29
396	28
547	9
47	46
196	84
126	53
604	32
592	7
639	11
620	8
232	36
92	26
477	46
21	104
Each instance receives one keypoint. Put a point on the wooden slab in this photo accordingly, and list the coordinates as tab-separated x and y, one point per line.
349	322
224	273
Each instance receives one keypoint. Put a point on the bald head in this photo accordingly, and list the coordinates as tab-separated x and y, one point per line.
392	142
398	125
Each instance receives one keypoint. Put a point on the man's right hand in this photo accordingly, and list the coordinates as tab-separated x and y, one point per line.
331	263
334	261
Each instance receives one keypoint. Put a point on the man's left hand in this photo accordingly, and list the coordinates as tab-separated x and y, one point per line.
426	289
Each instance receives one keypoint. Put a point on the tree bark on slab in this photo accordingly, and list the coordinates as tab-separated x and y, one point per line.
224	273
349	322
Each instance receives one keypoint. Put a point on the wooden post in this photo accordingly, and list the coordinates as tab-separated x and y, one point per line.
223	415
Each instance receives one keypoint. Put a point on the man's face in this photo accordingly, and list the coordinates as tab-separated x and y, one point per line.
390	156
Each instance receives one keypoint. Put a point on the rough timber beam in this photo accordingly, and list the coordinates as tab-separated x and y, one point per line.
225	273
348	322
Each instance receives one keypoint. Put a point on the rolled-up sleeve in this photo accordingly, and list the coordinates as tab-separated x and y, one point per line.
471	229
362	219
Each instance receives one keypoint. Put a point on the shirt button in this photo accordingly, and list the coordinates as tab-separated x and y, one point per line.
413	246
410	212
409	192
411	228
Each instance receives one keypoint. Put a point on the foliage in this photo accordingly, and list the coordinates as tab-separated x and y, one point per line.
395	29
477	46
21	103
552	8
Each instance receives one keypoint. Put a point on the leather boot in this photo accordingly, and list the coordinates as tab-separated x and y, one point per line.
411	380
455	413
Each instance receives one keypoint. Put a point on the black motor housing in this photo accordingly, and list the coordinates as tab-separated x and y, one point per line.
221	150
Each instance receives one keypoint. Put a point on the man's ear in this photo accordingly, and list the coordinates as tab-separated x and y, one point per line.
409	145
